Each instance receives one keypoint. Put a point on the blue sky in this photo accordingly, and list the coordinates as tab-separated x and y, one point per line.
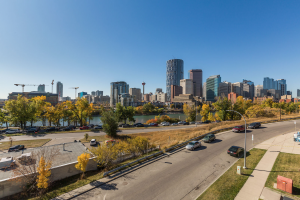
89	44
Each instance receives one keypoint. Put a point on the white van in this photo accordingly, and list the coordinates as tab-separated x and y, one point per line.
6	162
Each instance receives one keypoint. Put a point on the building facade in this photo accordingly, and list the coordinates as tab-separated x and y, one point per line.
117	88
187	86
248	89
256	88
59	90
147	97
50	97
41	88
99	93
298	93
136	92
158	90
196	76
224	89
175	91
93	93
212	87
204	91
238	88
174	75
161	97
81	94
281	85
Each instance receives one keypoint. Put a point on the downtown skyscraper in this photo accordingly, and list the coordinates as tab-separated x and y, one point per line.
59	90
174	75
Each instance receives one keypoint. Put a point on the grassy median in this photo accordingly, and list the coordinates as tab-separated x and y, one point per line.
286	165
230	183
26	143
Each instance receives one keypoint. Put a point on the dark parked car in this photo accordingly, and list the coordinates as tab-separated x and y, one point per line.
98	127
254	125
32	130
121	125
235	151
238	129
138	125
206	122
91	125
72	126
4	130
67	129
16	148
126	125
51	129
186	123
209	138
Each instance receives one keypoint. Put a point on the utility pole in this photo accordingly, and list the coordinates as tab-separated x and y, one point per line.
196	114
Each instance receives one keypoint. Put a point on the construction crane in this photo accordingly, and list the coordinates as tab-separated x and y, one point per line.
23	85
52	85
75	90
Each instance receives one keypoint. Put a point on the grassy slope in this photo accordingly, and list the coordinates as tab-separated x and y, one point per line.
27	143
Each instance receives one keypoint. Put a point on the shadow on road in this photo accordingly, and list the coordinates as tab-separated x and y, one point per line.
200	148
216	141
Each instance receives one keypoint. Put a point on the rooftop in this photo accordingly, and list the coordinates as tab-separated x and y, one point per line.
66	155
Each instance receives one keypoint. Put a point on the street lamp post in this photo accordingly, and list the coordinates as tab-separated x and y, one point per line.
196	114
245	151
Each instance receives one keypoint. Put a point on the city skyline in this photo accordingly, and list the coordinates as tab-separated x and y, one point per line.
238	40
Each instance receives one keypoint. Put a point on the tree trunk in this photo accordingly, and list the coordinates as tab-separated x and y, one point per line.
6	125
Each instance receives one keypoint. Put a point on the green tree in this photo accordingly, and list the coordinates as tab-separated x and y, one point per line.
20	110
148	108
190	112
222	105
124	113
110	123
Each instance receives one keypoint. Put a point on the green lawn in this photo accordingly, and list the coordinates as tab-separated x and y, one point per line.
27	143
286	165
230	183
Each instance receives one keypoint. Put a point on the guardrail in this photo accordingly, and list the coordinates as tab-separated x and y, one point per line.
182	144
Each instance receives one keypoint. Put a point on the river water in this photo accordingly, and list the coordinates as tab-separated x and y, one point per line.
140	118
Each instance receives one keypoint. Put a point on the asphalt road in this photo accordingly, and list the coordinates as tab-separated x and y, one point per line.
185	174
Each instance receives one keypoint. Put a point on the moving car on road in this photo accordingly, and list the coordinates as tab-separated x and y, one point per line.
209	138
84	127
193	145
16	148
254	125
235	151
238	129
93	142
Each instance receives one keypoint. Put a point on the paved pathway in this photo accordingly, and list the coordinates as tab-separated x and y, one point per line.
253	188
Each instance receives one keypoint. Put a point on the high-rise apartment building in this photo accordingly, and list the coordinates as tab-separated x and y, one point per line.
204	90
269	83
298	93
238	88
224	89
281	85
248	89
99	93
93	93
196	76
59	90
289	93
117	88
41	88
158	90
187	86
174	74
81	94
136	92
212	87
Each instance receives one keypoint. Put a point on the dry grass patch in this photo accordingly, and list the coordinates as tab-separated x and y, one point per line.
26	143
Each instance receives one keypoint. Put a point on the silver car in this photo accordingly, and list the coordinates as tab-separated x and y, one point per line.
12	131
193	145
93	142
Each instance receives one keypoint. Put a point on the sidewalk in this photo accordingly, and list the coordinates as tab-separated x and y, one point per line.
253	188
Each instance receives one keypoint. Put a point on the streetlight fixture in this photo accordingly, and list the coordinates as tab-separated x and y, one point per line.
245	151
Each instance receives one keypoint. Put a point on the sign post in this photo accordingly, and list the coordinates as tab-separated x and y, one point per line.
252	140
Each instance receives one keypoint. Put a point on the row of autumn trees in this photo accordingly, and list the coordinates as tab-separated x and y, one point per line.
21	111
247	108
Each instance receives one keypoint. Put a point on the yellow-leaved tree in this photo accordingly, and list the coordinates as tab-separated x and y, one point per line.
83	160
217	117
211	117
43	173
204	112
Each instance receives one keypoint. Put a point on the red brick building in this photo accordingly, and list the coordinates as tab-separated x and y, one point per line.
232	96
176	90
